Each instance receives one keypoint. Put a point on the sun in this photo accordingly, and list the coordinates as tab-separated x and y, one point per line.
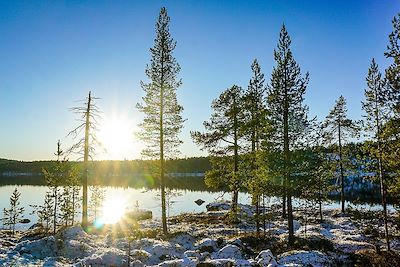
114	209
116	137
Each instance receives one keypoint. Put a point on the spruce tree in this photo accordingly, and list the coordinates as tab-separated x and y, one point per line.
13	215
377	115
338	128
221	140
287	116
163	121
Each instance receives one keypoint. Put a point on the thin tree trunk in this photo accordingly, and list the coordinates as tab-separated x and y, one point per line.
236	158
85	168
342	199
162	165
287	170
382	174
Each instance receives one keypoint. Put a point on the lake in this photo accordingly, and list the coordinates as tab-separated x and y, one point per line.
146	198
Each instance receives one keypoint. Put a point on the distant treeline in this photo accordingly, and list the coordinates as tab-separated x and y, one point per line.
108	168
132	173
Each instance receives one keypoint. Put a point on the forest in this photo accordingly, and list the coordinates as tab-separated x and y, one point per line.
260	139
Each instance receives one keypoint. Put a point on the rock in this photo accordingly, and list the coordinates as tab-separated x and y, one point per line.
266	258
39	249
199	202
191	254
184	240
180	263
25	221
110	257
141	255
228	252
304	258
36	225
206	244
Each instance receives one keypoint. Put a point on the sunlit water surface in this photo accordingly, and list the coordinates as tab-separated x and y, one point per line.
148	199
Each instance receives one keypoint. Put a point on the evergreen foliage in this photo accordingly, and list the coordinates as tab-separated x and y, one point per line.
221	140
287	115
338	130
378	113
14	214
163	121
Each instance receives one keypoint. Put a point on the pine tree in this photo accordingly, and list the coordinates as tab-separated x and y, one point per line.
391	130
338	128
54	178
96	199
253	128
85	145
287	115
13	215
393	71
377	114
163	121
221	140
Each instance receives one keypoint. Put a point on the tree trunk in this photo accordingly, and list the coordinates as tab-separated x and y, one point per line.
85	168
236	157
342	199
287	177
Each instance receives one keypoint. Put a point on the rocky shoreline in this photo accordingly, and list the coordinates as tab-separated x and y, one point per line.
207	239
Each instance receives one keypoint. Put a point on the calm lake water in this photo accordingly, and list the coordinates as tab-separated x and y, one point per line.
182	201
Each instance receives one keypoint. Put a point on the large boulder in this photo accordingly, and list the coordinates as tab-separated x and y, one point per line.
266	258
304	258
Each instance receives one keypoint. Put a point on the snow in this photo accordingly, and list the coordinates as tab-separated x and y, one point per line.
304	258
190	243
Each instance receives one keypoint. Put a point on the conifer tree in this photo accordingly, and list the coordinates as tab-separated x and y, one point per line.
13	215
287	116
393	71
253	127
338	128
54	178
221	140
163	121
96	199
85	145
44	212
377	114
391	130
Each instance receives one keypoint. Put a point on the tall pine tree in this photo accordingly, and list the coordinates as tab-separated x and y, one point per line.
287	115
377	115
338	128
253	127
163	121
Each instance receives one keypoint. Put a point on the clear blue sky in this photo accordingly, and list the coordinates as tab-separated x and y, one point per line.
53	52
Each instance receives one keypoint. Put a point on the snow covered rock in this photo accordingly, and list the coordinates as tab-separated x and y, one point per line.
110	257
184	240
40	249
190	262
191	254
266	258
228	252
140	254
304	258
207	244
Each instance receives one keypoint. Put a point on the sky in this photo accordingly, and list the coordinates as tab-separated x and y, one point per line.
52	53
